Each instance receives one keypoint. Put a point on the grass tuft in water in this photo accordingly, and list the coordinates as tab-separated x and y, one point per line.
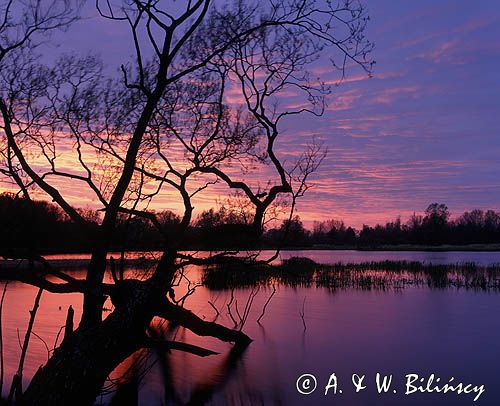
383	275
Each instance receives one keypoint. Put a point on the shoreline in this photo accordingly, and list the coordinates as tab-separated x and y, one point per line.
382	248
77	261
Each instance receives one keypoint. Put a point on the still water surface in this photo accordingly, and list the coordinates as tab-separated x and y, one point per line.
451	333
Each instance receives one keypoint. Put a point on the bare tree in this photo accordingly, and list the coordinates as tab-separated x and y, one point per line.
163	127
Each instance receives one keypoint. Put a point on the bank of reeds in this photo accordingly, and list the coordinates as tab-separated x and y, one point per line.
383	275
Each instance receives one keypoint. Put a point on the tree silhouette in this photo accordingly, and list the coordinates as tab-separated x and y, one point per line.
437	214
162	126
435	222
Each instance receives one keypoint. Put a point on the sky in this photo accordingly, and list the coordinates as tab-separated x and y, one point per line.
425	128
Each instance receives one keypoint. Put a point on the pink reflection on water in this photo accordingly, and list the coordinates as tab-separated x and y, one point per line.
51	316
445	331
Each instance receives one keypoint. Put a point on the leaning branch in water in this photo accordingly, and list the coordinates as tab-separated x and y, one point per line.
17	381
1	337
189	320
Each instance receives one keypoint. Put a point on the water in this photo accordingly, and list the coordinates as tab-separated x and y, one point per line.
329	256
444	257
451	333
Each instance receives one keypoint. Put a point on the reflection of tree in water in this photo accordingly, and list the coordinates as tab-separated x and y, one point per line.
229	370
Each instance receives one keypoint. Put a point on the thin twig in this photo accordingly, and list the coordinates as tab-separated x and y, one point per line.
248	306
215	308
1	337
16	387
302	314
44	343
266	304
229	309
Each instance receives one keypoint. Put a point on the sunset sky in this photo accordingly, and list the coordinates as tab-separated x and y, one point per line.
424	128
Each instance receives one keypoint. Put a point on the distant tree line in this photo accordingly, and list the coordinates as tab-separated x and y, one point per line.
434	227
40	226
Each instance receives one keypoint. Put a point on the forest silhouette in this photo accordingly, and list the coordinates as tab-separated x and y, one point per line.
43	227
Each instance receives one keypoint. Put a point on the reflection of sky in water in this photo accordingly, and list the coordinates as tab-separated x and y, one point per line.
328	256
417	330
351	256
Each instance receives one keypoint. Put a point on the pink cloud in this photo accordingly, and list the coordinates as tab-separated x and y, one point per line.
388	96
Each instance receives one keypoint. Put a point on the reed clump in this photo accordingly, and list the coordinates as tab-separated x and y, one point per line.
381	275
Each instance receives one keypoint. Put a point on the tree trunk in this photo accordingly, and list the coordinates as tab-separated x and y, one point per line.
93	298
78	369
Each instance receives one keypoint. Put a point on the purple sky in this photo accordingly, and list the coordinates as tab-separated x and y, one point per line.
425	128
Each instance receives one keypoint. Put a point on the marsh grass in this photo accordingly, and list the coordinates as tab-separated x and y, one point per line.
383	275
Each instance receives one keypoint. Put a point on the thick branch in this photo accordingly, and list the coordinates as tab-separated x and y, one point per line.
50	190
189	320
